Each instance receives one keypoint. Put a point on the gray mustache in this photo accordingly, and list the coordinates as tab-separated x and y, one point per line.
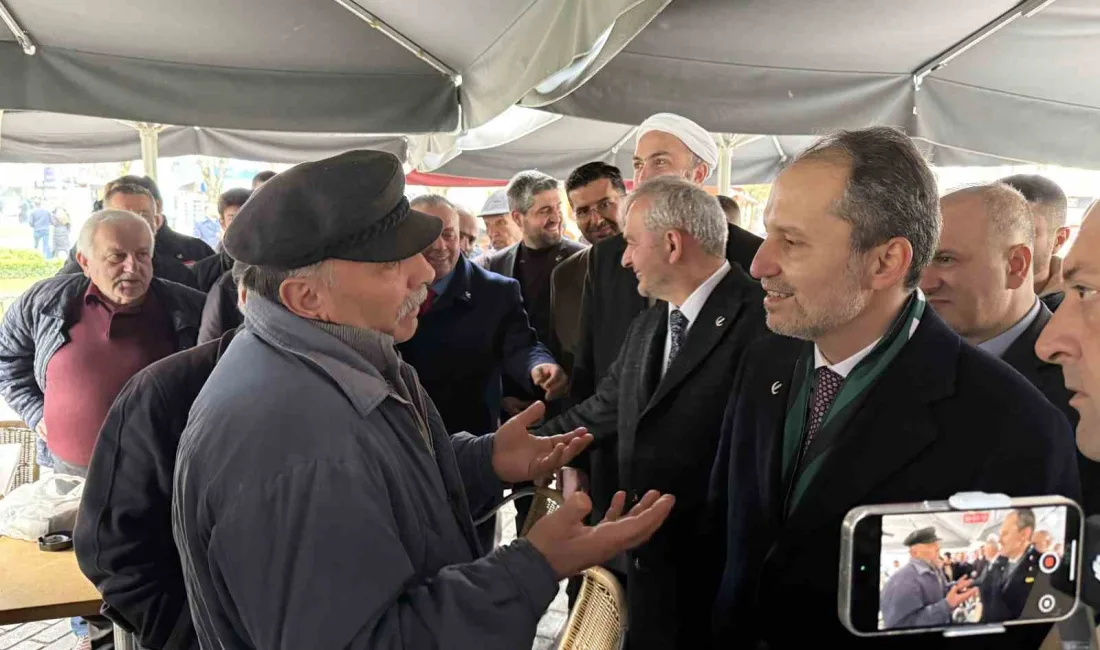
413	302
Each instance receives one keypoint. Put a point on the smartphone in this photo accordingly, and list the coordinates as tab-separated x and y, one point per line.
927	567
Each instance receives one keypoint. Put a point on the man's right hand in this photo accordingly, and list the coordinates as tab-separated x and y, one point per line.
960	592
571	547
40	429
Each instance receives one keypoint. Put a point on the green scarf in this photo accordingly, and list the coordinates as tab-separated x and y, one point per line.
862	377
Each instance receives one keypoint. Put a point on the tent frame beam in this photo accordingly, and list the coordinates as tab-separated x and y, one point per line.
1025	9
362	14
21	36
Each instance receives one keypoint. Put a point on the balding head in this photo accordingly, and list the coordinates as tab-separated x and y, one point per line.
981	280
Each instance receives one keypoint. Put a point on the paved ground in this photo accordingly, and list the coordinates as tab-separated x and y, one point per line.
57	635
42	635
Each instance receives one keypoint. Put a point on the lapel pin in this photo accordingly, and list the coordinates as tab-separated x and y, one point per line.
776	386
466	295
720	321
558	258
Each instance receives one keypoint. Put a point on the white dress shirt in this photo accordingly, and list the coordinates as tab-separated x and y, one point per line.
691	308
845	367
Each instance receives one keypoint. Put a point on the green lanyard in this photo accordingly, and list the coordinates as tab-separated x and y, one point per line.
866	372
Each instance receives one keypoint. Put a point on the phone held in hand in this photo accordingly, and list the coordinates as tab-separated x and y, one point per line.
969	565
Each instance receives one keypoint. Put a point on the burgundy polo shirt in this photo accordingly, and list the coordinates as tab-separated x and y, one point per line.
106	347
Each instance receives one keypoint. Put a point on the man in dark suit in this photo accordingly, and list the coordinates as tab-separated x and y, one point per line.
659	402
611	299
595	191
980	282
1007	586
472	327
876	403
535	206
1048	211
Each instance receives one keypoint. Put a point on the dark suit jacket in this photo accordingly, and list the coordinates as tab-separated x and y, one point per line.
566	293
476	328
183	248
1004	594
220	313
123	534
538	313
610	303
1047	377
667	430
940	400
208	270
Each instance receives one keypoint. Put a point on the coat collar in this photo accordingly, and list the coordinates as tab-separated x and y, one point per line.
1021	354
891	427
362	384
60	296
459	290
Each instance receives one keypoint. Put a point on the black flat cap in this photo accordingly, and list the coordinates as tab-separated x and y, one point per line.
349	207
922	536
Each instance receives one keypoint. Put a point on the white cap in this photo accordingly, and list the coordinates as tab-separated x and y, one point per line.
691	134
497	203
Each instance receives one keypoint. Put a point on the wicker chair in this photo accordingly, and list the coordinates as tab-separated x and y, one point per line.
598	620
27	469
545	501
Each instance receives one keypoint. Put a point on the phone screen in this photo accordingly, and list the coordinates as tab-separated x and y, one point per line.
953	568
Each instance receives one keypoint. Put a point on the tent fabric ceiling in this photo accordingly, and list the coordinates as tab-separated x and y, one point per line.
299	65
793	67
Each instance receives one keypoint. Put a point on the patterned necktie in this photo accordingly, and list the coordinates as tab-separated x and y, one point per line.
828	386
677	326
427	304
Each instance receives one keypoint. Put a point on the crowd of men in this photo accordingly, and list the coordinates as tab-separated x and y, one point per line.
287	442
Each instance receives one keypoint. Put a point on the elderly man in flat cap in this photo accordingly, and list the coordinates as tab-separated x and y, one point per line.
667	145
918	594
319	502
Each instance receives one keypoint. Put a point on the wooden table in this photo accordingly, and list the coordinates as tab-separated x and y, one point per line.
36	585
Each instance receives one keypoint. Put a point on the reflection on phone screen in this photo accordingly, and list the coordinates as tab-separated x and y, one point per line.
979	567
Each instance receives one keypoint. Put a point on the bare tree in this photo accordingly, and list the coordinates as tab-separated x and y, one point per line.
213	178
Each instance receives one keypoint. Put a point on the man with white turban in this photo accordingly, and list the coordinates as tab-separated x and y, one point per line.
667	145
671	145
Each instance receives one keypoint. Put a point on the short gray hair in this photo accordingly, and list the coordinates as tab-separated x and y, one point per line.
1007	209
432	201
524	186
678	204
891	192
265	281
85	240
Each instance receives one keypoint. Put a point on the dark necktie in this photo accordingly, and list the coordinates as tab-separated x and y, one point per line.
677	326
427	304
828	386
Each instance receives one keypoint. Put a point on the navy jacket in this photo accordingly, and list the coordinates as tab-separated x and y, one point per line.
474	330
943	418
123	534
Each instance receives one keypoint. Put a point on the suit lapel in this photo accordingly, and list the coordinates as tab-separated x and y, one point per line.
653	337
893	425
458	290
718	316
509	261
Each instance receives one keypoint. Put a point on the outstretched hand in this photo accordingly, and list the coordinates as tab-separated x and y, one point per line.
571	547
519	456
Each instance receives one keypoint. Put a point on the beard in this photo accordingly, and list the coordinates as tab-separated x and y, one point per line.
412	303
829	311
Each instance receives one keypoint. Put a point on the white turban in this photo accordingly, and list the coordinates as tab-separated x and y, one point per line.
691	134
